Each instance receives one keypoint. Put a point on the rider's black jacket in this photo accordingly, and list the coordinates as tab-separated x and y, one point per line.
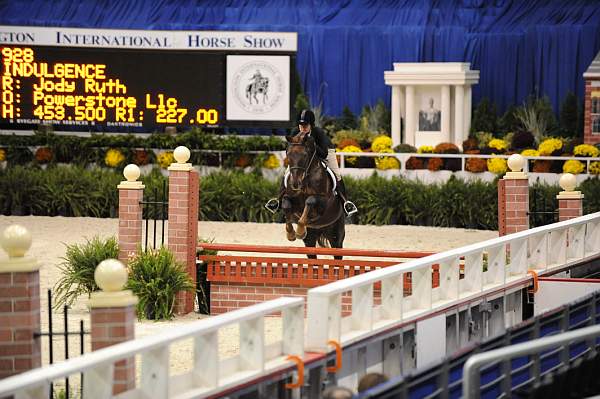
322	141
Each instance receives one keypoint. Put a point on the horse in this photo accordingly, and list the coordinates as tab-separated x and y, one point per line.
309	199
260	86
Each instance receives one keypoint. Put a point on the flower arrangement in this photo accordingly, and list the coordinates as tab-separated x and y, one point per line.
542	166
594	168
272	162
530	153
165	159
113	158
550	146
476	165
435	164
351	148
425	149
586	150
2	155
387	162
348	142
498	145
446	148
414	163
141	157
470	144
381	143
243	160
573	166
483	138
43	155
497	165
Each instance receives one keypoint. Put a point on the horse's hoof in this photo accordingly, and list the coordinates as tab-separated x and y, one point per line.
301	236
291	236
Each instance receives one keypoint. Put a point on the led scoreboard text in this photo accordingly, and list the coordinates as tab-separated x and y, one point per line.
108	87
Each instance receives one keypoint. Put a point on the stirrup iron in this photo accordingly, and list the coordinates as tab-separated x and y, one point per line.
350	208
272	205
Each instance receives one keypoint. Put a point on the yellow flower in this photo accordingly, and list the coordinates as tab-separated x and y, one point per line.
497	165
113	158
387	162
350	148
594	168
530	153
381	143
165	159
498	144
586	150
425	149
573	166
2	155
548	146
272	162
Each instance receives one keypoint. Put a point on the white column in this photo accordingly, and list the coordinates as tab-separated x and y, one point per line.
409	132
459	114
446	112
396	115
468	105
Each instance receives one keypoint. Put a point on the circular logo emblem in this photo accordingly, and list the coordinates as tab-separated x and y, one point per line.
257	87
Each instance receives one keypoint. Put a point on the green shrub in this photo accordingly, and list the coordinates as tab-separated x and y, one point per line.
79	264
156	278
484	117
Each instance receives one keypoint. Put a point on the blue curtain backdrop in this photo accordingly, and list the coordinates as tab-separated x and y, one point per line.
519	46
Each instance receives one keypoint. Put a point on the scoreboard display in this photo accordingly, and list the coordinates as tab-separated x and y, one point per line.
124	89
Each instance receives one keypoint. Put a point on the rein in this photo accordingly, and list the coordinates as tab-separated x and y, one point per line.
307	168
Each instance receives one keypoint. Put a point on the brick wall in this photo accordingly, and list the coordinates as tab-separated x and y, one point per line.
111	326
569	209
19	320
588	138
130	222
516	196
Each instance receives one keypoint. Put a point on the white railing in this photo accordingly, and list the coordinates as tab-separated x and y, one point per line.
210	373
509	260
403	157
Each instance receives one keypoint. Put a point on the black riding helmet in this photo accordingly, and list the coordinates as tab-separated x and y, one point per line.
306	116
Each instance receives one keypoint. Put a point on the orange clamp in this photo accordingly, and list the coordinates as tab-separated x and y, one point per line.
536	284
300	365
338	356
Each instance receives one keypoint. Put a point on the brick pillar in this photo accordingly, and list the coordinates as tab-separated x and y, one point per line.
113	318
570	202
19	304
183	220
131	193
513	198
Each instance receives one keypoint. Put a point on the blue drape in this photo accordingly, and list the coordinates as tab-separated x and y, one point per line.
520	47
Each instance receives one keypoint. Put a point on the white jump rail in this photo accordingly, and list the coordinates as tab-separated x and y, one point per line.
210	374
509	259
404	156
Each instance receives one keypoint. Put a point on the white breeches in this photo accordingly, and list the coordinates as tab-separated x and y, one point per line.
333	163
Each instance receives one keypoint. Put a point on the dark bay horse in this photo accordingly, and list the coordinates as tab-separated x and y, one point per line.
309	199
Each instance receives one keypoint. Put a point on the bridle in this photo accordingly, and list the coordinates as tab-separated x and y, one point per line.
307	168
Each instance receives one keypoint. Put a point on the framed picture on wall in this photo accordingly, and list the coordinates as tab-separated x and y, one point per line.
430	114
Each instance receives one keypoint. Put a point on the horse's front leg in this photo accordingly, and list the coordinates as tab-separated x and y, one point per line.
286	206
302	222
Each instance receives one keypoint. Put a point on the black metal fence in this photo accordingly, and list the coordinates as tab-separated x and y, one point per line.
155	213
543	208
66	335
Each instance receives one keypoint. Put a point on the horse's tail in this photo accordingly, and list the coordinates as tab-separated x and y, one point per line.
323	242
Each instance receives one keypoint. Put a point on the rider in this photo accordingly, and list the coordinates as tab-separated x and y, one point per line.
325	151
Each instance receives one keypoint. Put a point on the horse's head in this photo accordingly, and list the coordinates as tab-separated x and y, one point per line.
301	153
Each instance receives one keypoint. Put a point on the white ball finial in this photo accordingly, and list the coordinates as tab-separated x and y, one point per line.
181	154
131	172
110	275
568	182
15	240
515	162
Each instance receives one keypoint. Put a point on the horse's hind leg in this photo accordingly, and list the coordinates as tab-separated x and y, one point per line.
337	235
310	241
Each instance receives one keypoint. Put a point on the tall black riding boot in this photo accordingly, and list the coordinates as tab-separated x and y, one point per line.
349	206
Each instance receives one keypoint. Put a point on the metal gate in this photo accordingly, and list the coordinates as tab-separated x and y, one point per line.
155	209
543	209
65	335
